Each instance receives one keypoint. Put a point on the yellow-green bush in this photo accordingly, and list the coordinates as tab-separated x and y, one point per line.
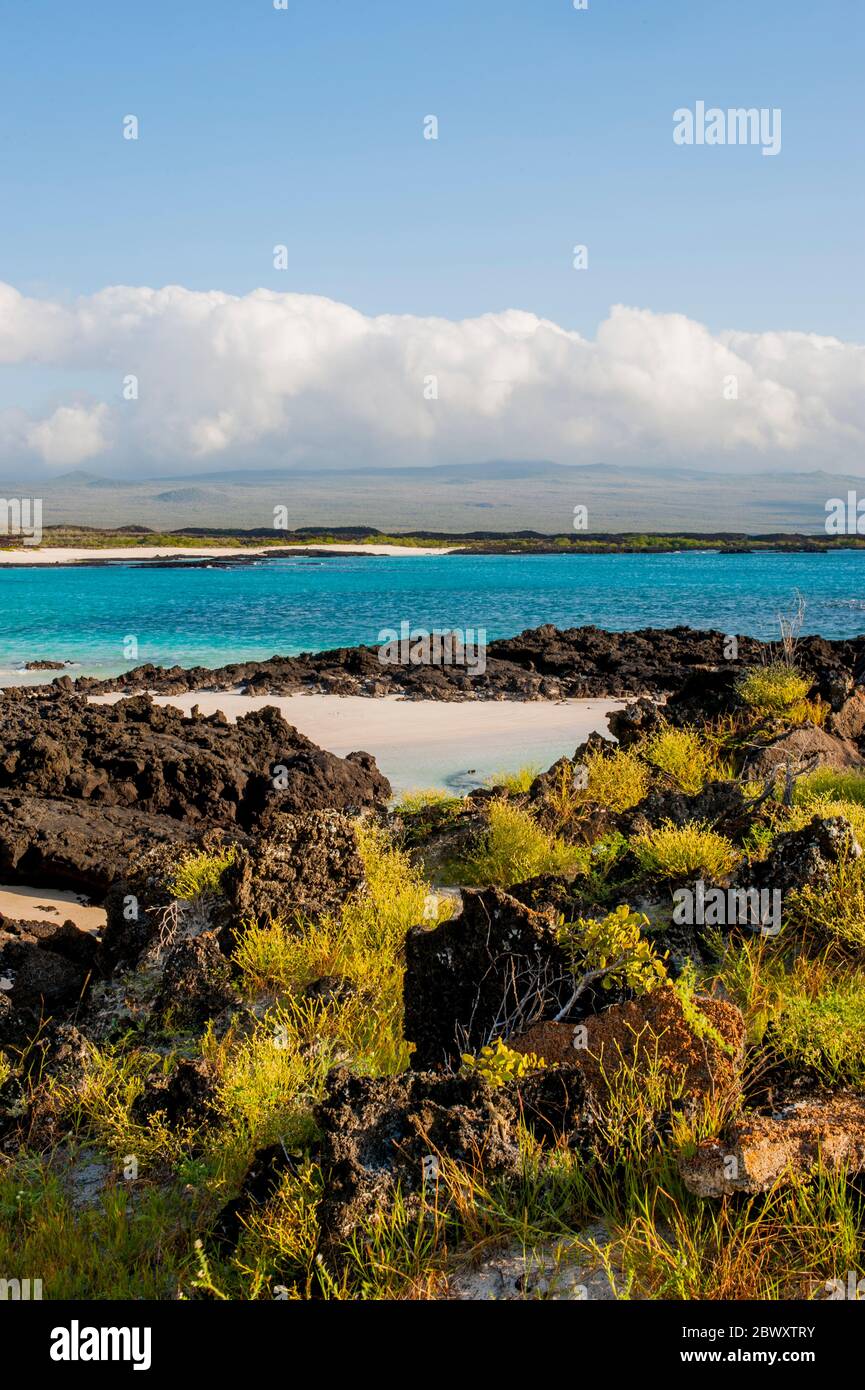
678	852
363	943
821	1023
617	780
774	689
515	849
835	913
683	755
201	873
802	814
811	1009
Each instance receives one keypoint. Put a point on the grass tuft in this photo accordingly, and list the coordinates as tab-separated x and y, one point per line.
773	690
683	755
199	875
515	849
677	852
516	782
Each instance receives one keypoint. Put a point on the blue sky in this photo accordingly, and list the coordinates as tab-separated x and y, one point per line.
305	127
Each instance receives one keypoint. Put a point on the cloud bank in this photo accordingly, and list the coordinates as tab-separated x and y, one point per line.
210	381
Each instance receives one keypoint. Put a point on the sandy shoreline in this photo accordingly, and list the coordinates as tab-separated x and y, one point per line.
424	743
70	555
49	905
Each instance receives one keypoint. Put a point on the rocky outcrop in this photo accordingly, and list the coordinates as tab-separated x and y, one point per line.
137	754
300	864
144	919
542	663
37	980
196	984
849	721
802	750
77	844
651	1036
478	972
722	805
380	1135
184	1098
44	967
389	1135
758	1151
802	857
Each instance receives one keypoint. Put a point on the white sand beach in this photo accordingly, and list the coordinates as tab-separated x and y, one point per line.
70	555
49	905
425	743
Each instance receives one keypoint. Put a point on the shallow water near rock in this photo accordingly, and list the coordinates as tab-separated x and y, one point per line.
195	616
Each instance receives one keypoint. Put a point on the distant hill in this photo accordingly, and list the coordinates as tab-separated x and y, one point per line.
514	495
198	496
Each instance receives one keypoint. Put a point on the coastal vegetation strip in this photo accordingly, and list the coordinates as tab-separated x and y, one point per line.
132	538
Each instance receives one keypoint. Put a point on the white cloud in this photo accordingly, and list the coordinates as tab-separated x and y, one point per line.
69	436
268	379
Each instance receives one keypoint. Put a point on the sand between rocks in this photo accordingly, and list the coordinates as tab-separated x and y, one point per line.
423	743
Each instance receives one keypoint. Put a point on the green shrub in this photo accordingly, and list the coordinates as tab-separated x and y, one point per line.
852	811
617	780
758	842
363	942
773	690
835	913
515	849
678	852
199	874
827	782
683	755
613	952
824	1027
812	1012
497	1063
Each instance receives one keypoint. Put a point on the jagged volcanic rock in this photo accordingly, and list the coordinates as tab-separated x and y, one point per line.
541	663
307	863
192	768
78	844
757	1152
470	973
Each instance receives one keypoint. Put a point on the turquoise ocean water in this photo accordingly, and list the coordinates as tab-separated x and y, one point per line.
210	616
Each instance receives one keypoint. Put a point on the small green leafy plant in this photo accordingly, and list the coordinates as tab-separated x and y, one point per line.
497	1063
611	951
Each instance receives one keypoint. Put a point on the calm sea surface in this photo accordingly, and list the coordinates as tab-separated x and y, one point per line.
210	616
